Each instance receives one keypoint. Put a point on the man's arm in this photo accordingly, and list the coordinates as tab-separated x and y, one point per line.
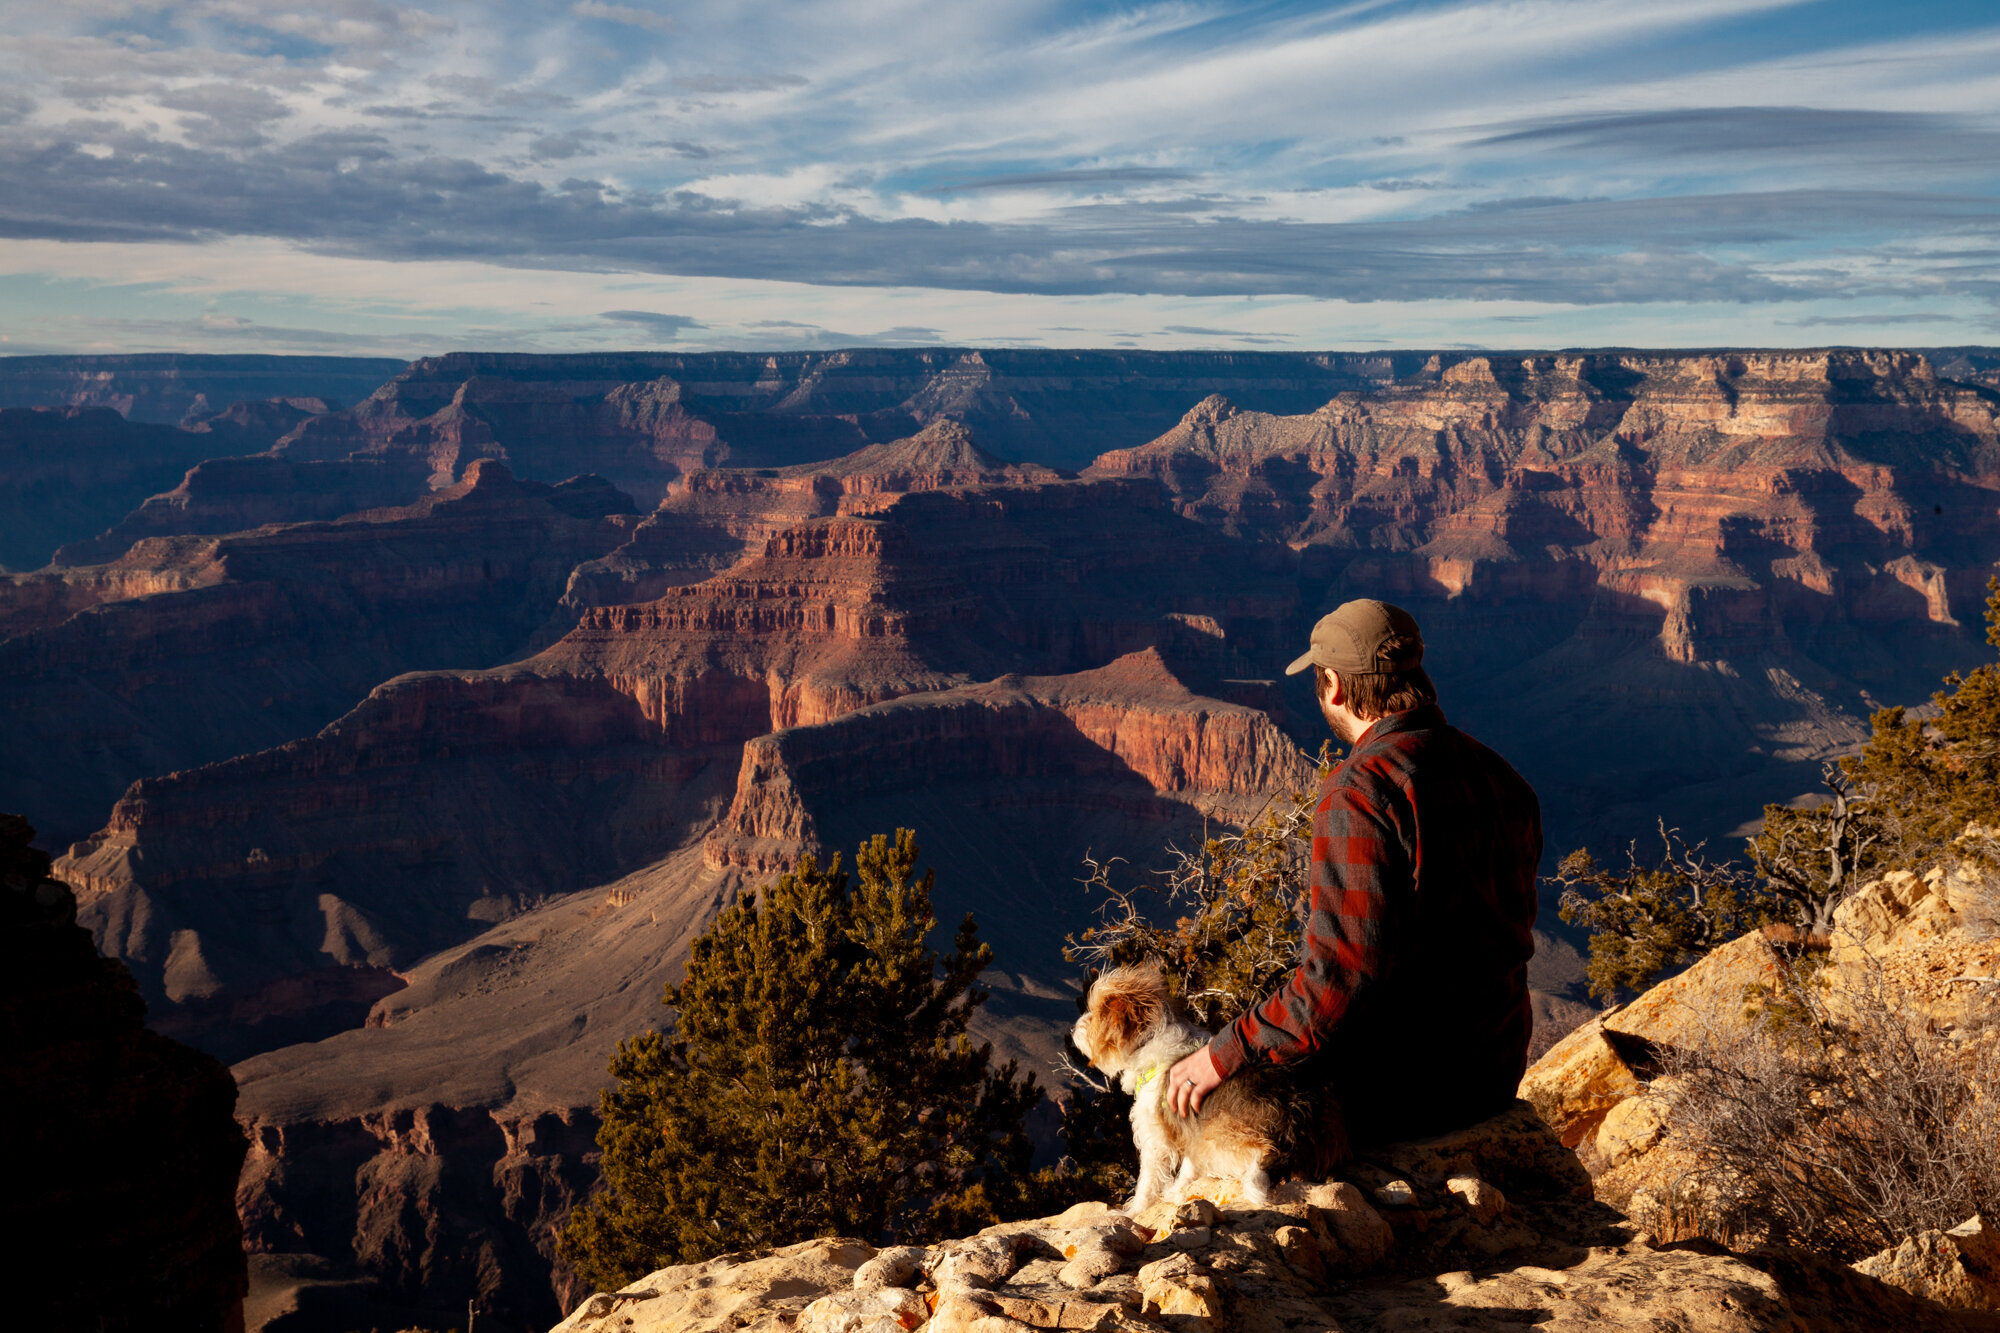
1356	860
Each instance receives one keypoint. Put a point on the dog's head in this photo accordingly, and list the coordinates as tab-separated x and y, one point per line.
1124	1007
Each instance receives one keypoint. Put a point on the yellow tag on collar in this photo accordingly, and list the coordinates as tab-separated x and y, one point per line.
1146	1078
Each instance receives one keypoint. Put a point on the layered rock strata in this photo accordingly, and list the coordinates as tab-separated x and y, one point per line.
715	516
643	419
187	650
166	387
1733	499
447	800
1717	565
471	1094
224	495
128	1154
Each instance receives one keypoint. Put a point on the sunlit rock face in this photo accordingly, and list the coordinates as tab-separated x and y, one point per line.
1637	573
1730	498
432	797
188	650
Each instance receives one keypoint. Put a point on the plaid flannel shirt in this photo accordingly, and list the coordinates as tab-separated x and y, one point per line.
1425	852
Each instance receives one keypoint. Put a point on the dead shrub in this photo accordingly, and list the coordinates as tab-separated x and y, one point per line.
1839	1120
1238	904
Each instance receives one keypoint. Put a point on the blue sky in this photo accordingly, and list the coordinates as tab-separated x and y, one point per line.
356	176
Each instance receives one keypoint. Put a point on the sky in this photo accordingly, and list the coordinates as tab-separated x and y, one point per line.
365	178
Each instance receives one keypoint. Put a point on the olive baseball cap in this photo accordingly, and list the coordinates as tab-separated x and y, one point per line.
1351	639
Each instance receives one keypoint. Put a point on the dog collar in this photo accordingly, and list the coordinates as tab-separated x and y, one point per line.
1146	1078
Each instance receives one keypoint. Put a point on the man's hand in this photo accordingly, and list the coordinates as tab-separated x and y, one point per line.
1190	1080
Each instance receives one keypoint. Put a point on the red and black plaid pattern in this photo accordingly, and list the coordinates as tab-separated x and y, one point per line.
1426	847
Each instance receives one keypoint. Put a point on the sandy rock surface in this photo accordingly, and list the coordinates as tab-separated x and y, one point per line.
1931	942
1959	1268
1499	1233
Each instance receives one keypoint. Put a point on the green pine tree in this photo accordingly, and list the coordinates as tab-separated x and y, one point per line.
1931	778
817	1081
1902	803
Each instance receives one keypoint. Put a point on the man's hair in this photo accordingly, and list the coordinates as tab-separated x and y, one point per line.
1373	694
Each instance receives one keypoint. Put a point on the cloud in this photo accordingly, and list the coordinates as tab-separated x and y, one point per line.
557	147
626	14
1794	133
1058	180
1734	247
1236	335
1858	321
678	147
1590	154
738	83
667	327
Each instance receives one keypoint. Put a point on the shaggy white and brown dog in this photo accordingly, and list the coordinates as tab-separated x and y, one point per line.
1132	1030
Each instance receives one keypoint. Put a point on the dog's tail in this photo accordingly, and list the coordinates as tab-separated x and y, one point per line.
1315	1143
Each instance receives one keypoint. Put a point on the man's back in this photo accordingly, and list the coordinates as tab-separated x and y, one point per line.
1410	1001
1440	1034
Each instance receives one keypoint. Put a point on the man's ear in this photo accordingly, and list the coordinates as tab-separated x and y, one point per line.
1330	690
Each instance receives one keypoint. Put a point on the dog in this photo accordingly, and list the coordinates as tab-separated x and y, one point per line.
1132	1030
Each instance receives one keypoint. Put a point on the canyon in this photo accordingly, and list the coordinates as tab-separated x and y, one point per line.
400	753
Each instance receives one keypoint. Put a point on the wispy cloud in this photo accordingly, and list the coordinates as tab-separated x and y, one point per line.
630	15
1569	154
667	327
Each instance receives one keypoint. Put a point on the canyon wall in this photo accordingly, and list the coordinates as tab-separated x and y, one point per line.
642	419
166	387
419	909
450	799
70	473
1707	569
188	650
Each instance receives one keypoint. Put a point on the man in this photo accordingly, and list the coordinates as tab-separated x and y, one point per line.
1409	1005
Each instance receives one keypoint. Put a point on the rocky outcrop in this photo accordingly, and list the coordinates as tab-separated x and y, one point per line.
1701	559
1734	498
1478	1230
70	473
1958	1269
224	495
1921	944
166	387
188	650
127	1154
1923	940
715	516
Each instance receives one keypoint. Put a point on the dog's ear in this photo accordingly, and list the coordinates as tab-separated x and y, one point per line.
1122	1020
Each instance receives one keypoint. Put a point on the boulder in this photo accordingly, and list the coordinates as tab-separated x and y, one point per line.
1630	1129
876	1309
1577	1082
1959	1269
897	1266
765	1292
1483	1201
1899	910
1364	1238
1179	1285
